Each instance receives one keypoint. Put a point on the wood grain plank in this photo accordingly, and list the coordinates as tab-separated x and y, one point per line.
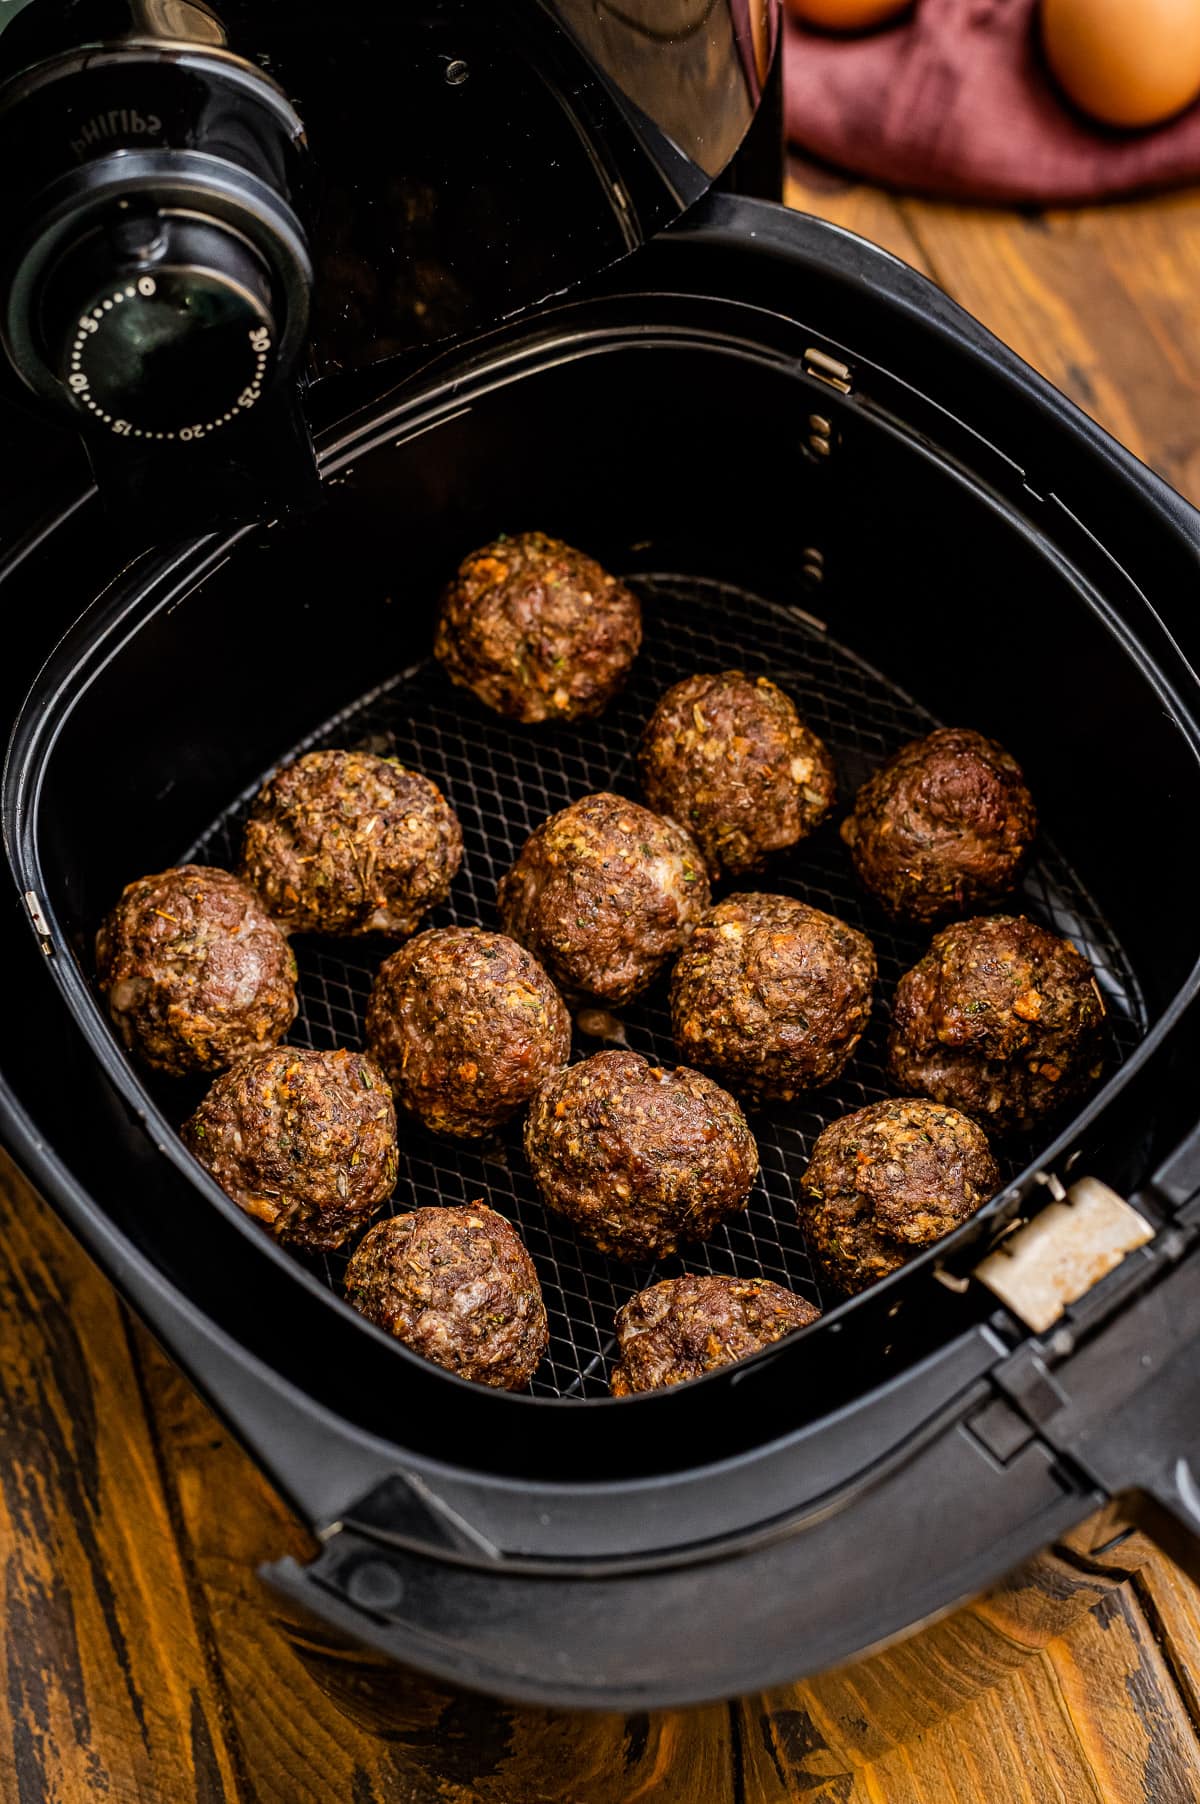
1016	1745
1122	1699
842	1722
1072	1700
104	1690
1171	1604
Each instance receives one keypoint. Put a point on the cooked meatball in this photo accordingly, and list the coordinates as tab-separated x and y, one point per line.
636	1157
729	756
686	1326
344	842
459	1288
1000	1019
466	1025
194	971
889	1180
944	828
603	893
536	630
772	995
303	1141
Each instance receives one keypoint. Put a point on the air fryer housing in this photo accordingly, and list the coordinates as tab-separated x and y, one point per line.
961	529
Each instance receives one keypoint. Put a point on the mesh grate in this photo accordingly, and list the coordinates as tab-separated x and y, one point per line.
504	780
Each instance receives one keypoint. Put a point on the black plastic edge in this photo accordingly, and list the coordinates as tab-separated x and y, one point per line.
944	1524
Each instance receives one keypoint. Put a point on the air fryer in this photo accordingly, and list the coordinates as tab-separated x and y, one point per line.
809	464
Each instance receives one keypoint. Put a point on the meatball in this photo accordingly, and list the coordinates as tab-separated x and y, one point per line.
686	1326
729	757
772	995
603	893
344	842
944	828
459	1288
639	1158
466	1025
303	1141
194	971
889	1180
1000	1019
536	630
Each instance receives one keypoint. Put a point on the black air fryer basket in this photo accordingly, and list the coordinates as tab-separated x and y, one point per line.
811	465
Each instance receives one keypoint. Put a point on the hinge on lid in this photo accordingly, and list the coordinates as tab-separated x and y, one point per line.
1056	1258
827	369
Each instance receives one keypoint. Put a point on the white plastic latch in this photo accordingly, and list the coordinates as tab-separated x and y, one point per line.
1057	1257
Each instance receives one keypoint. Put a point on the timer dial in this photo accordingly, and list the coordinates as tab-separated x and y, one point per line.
160	327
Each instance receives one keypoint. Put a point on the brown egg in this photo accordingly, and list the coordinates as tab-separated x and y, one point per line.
846	15
1125	62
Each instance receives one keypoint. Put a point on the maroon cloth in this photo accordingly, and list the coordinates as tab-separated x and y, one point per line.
955	99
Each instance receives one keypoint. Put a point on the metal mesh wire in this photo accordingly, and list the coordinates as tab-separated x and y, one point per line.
503	780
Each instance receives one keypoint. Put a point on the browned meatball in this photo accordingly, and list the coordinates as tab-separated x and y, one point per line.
459	1288
889	1180
772	995
943	828
536	630
639	1158
466	1025
303	1141
194	970
729	756
603	893
687	1326
343	842
1000	1019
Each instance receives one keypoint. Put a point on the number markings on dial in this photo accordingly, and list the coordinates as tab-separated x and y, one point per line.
80	384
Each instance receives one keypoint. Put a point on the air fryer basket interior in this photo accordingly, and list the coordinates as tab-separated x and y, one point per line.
503	781
884	586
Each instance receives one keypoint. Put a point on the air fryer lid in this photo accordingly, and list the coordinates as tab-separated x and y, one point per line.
472	159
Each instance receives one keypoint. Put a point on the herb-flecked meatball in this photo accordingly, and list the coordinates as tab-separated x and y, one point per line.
459	1288
686	1326
729	756
194	971
603	893
888	1180
466	1024
303	1141
944	828
347	843
537	630
1000	1019
771	995
639	1158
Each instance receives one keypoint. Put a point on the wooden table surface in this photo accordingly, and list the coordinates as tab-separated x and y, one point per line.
140	1658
